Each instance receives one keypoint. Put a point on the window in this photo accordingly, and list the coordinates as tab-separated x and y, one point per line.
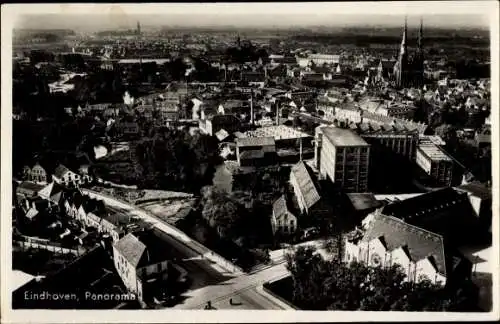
375	260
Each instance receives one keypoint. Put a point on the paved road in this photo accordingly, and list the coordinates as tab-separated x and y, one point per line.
212	282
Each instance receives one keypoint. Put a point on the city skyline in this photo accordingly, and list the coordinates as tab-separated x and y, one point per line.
97	16
80	22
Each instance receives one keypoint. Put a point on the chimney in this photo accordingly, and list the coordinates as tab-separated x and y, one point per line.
277	113
251	107
300	150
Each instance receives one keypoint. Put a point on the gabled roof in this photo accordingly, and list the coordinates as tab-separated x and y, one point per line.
60	171
280	207
31	213
306	185
52	191
420	244
131	248
476	189
222	134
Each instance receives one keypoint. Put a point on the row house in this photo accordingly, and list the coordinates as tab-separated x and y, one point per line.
36	173
92	213
64	176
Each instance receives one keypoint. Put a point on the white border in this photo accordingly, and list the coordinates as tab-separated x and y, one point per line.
9	16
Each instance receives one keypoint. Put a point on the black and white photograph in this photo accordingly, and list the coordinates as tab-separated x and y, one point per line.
250	156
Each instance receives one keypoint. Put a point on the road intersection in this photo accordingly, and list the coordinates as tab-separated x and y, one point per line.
216	279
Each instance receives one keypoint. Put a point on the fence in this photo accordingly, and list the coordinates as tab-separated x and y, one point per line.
25	245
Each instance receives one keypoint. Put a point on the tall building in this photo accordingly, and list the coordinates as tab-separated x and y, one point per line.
138	30
435	162
343	157
406	72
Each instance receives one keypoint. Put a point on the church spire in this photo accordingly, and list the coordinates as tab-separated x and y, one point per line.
420	35
404	42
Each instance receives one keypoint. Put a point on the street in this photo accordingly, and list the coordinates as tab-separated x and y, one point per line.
213	281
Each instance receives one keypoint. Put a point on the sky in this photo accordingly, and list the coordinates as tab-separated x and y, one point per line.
96	17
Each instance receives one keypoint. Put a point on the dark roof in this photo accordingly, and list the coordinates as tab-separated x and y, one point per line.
251	154
363	201
131	248
477	189
306	186
53	191
416	207
419	243
28	185
386	64
254	141
60	170
224	119
253	76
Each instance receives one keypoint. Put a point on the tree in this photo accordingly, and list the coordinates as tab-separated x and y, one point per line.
221	212
447	132
320	284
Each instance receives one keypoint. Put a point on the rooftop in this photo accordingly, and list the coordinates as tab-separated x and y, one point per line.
477	189
254	141
279	132
418	243
363	201
432	151
306	185
343	137
429	205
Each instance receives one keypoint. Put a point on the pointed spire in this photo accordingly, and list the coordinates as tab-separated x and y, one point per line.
405	33
420	33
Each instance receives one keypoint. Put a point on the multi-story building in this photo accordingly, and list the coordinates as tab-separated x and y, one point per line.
435	162
255	150
37	173
343	156
142	268
319	59
394	138
421	254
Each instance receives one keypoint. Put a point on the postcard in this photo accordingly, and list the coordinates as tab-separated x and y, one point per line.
250	162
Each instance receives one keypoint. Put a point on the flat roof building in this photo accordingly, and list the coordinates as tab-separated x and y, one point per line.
342	156
435	162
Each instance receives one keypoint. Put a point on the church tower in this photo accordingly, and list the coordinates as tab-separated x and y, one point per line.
401	66
138	30
419	58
